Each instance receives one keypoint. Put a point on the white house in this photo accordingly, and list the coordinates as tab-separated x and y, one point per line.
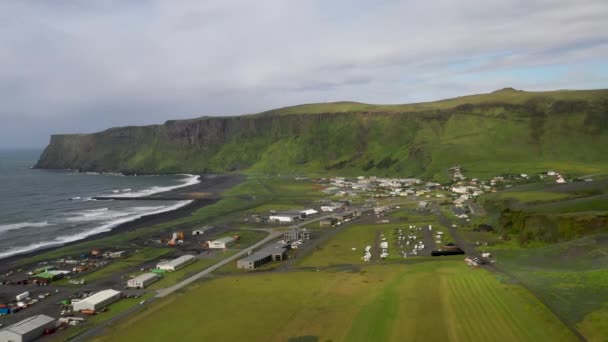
460	189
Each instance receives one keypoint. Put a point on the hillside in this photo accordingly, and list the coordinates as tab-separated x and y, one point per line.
488	134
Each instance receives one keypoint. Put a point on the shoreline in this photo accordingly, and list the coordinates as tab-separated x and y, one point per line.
208	183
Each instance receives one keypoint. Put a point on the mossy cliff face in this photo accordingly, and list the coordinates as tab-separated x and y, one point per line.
501	132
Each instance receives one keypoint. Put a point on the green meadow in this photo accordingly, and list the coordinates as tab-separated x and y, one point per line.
443	300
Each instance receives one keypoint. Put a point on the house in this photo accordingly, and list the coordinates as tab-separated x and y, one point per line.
460	189
223	243
460	212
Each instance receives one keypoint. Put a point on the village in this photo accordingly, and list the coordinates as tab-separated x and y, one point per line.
67	288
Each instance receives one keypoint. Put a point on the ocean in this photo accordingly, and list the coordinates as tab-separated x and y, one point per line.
43	208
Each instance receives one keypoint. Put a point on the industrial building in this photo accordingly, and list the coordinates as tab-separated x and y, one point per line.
297	234
28	329
254	261
275	252
224	242
143	280
309	212
175	264
287	216
97	301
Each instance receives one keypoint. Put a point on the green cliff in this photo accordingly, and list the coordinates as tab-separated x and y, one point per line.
488	134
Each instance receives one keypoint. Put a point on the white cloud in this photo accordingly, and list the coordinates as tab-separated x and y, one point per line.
138	62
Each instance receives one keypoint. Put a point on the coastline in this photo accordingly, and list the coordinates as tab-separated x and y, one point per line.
209	184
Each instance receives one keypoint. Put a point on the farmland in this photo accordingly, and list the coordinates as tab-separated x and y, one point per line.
429	300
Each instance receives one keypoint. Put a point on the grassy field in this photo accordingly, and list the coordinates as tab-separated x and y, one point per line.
530	196
339	249
571	277
428	301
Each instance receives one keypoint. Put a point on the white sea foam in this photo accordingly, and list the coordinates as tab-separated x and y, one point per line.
102	214
15	226
105	227
187	181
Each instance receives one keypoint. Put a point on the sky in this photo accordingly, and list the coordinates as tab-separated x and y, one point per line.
69	66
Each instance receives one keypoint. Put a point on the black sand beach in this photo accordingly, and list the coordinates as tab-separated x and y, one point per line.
205	193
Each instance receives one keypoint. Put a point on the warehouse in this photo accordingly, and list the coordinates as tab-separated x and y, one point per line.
175	264
143	280
97	301
28	329
286	216
254	261
224	242
309	212
278	252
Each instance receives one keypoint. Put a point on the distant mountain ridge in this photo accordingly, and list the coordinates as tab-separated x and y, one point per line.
504	131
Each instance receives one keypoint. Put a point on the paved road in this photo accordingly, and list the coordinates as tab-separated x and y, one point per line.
167	291
273	234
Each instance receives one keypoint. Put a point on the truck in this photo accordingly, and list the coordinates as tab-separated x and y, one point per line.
23	295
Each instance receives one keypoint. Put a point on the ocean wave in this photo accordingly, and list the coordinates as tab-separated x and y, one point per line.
187	181
79	236
102	214
15	226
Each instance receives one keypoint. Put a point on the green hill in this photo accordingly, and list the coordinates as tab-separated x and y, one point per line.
500	132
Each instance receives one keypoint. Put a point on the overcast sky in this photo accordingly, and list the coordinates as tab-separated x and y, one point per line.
83	66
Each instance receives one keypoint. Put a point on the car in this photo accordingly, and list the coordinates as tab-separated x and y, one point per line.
142	302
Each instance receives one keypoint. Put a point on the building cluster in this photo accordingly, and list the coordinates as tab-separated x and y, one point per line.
34	327
376	186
